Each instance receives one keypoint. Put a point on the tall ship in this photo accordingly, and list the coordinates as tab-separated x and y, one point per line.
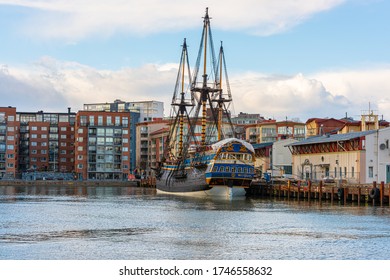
202	156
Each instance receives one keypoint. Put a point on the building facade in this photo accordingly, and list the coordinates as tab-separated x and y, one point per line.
377	161
145	147
272	131
9	143
339	157
102	145
46	141
148	110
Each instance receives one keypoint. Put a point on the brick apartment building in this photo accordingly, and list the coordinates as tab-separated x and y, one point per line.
102	145
9	142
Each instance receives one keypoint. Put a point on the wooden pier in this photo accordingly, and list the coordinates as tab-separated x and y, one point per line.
377	194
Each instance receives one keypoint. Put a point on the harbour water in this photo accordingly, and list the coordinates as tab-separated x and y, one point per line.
98	223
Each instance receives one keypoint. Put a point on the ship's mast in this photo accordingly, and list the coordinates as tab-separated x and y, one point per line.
224	97
181	100
204	92
220	112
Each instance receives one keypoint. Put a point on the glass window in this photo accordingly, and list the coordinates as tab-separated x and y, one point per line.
370	172
100	131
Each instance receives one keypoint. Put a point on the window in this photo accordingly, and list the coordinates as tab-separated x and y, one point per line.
34	128
80	166
125	121
91	120
109	120
100	120
100	132
44	136
80	130
10	147
370	172
63	128
83	120
353	172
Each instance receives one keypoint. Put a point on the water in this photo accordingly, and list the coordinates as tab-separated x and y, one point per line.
133	223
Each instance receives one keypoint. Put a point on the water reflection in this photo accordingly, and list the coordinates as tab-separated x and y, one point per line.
15	192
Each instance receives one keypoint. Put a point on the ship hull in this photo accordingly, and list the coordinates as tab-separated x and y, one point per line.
194	184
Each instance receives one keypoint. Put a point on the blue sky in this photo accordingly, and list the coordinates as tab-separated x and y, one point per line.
297	59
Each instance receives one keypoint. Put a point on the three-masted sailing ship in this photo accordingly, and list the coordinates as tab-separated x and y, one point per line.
201	155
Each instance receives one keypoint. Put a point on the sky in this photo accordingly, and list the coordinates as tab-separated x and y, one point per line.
295	59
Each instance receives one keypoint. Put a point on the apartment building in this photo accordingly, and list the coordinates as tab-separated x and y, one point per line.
322	126
144	146
148	110
9	142
272	131
46	141
102	145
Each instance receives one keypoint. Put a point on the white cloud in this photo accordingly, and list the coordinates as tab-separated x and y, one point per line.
53	85
363	88
73	20
287	96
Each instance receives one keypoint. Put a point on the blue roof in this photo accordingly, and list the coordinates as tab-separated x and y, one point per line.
332	138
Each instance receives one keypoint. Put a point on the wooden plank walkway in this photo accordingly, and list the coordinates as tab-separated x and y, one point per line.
377	194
